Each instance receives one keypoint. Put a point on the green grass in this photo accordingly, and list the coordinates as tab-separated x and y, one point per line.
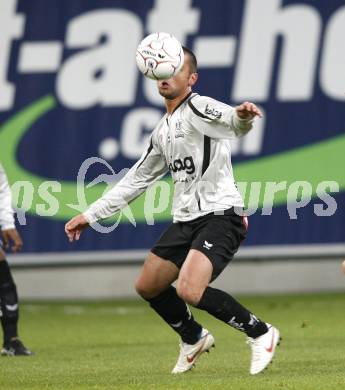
124	345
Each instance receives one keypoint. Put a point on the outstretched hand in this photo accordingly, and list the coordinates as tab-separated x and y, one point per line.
248	110
75	227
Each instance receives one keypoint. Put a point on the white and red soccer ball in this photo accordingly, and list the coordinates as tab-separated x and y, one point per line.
159	56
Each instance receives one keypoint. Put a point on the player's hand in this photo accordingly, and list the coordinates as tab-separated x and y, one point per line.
75	227
248	110
12	237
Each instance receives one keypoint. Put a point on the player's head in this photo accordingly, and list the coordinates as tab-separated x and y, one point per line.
183	81
190	59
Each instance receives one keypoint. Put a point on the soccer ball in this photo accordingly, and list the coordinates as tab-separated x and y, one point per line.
159	56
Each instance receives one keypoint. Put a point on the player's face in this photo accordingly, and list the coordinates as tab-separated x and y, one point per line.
179	84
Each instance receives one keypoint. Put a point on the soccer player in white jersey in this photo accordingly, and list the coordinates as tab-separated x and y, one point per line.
9	311
192	141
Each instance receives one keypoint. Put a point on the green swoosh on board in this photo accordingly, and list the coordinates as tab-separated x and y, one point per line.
323	161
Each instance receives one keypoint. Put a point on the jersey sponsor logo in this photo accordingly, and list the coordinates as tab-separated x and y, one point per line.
187	164
212	112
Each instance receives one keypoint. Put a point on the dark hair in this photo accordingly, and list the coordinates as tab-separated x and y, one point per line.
193	64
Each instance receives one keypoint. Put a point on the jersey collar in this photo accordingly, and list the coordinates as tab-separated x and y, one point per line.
182	101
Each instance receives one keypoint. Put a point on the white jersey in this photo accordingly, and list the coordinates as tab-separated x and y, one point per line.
6	211
193	143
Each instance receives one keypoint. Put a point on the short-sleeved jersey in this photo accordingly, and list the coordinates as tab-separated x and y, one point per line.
193	143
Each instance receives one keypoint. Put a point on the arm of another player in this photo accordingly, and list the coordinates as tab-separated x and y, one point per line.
151	167
11	237
9	233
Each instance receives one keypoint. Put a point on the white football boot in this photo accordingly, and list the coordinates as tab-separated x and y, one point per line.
263	348
189	353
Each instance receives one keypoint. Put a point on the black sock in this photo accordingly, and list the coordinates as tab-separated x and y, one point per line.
224	307
176	313
8	302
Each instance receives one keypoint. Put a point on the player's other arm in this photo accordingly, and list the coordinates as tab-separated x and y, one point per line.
148	169
219	120
9	232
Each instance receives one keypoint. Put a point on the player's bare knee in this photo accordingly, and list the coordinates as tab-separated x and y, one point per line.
189	293
146	290
142	288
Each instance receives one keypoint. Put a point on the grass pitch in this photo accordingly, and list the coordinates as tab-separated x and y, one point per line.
124	345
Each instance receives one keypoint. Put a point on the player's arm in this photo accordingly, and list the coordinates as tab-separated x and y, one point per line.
9	233
219	120
151	167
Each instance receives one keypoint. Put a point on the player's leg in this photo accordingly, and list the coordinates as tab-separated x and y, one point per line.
9	312
216	241
154	285
193	287
155	276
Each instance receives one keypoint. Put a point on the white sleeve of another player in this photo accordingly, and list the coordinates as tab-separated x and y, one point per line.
216	119
151	167
6	210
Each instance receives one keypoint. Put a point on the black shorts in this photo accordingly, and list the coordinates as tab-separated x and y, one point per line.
218	236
